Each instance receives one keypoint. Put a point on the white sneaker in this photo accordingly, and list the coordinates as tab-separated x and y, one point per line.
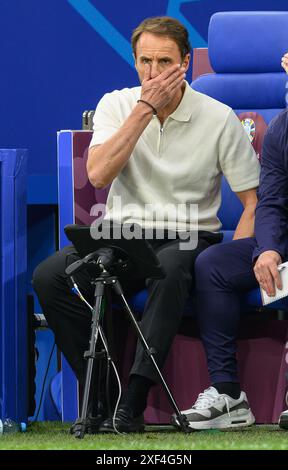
283	420
218	411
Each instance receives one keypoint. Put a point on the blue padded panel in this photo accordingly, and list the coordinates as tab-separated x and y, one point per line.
253	298
65	183
245	91
247	41
138	300
231	208
227	235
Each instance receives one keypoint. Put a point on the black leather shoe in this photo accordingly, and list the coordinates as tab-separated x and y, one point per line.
124	422
91	426
91	423
283	420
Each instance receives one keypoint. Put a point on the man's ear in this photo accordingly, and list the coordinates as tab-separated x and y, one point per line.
135	61
186	61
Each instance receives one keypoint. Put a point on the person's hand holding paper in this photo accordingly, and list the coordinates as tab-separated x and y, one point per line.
266	271
272	276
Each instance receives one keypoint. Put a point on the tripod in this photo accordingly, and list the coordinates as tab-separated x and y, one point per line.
112	259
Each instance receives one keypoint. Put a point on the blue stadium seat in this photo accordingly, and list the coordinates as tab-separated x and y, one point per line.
245	50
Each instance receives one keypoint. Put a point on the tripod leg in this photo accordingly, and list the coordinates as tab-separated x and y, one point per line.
81	423
182	419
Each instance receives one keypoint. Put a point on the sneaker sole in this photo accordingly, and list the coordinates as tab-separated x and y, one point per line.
235	420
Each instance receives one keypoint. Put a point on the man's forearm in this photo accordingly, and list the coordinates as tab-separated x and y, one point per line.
107	160
245	227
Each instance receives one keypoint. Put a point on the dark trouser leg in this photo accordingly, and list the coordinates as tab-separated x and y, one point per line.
66	314
165	304
68	317
223	273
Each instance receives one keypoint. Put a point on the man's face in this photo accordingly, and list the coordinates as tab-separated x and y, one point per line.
160	52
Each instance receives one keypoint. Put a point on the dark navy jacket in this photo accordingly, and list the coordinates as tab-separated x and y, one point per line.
271	223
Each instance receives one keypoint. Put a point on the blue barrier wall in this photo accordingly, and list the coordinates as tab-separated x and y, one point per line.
13	263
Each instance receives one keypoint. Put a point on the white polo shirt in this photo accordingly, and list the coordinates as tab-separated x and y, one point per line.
179	165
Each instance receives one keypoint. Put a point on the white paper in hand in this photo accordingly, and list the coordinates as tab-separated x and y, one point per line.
283	269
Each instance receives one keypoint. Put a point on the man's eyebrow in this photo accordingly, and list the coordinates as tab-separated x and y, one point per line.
159	58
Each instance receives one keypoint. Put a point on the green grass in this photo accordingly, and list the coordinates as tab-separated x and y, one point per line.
55	436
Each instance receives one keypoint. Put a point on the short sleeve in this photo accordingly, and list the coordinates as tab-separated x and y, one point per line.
106	120
237	157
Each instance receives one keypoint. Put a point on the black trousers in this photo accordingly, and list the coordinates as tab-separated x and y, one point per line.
70	318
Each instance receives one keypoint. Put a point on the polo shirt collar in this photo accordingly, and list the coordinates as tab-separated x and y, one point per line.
185	108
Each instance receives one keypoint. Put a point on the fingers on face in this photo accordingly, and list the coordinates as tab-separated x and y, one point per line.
174	80
173	69
147	72
177	82
171	74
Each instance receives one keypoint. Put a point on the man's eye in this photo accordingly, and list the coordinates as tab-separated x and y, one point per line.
165	61
145	61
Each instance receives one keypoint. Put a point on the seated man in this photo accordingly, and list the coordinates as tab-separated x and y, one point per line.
283	419
225	271
160	145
